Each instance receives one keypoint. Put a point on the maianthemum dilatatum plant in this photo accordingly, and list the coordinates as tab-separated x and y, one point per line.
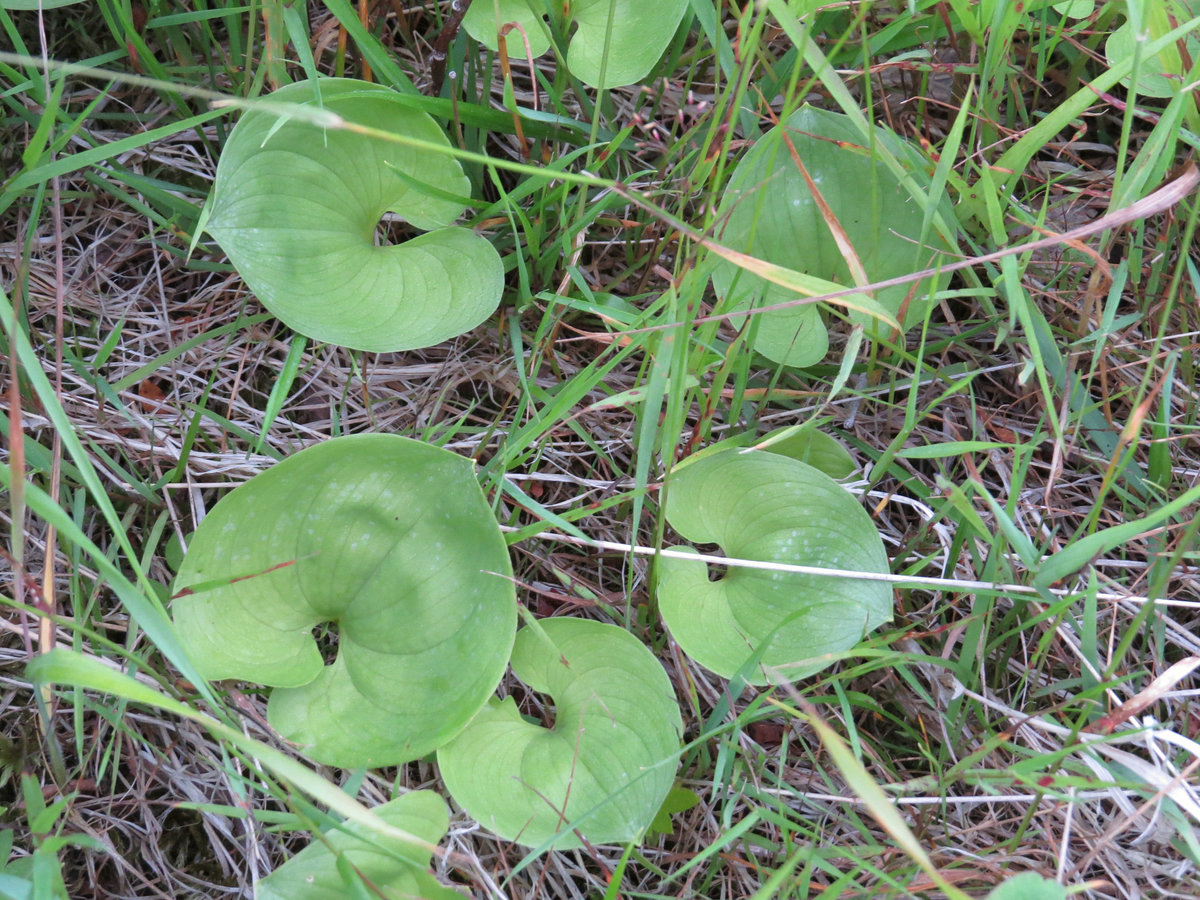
295	206
387	548
770	212
365	579
615	42
766	505
326	869
606	764
1164	74
391	542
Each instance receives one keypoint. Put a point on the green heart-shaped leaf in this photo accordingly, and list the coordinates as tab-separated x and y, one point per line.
1028	886
765	506
393	541
606	765
640	32
1075	9
399	871
620	40
1160	75
295	207
679	799
485	18
806	443
772	215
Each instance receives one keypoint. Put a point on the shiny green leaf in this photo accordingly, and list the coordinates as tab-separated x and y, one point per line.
295	206
616	42
392	541
1029	886
771	508
397	869
771	215
606	764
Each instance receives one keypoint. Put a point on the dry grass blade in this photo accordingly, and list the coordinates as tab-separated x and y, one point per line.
1159	201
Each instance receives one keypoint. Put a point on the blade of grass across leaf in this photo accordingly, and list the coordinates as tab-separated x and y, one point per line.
849	104
857	273
807	285
1160	200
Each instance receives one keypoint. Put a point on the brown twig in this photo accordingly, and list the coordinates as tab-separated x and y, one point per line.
441	47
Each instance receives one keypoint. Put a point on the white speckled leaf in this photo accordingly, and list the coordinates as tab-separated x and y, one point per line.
612	751
766	506
391	539
295	207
